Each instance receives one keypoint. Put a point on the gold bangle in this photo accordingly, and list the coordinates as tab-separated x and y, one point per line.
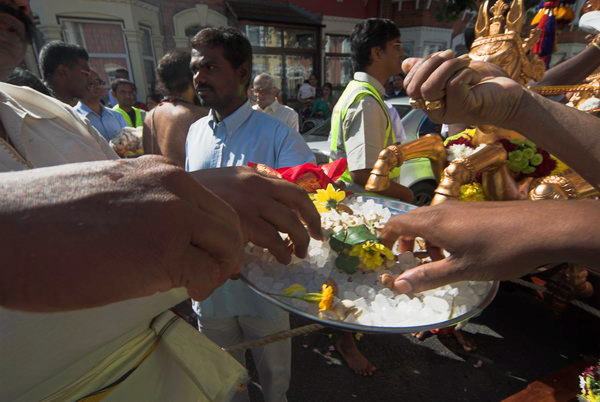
595	44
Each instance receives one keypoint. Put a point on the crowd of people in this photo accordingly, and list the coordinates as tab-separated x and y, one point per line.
113	243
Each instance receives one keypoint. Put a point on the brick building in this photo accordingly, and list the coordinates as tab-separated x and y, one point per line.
291	38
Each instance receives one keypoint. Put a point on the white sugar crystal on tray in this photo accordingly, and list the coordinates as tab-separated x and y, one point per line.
436	303
375	305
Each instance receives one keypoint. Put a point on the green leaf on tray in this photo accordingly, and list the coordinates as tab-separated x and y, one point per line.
347	263
337	245
354	235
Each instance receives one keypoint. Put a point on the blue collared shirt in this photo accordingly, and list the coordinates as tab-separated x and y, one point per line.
244	136
109	123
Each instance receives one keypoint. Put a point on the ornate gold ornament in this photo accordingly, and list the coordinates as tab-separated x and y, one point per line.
498	41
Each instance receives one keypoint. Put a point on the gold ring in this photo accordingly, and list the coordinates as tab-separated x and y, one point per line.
434	105
417	103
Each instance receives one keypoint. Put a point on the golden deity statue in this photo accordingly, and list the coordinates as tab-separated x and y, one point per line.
498	41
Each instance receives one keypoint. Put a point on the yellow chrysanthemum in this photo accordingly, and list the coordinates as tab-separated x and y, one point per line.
560	166
471	192
326	298
327	200
372	255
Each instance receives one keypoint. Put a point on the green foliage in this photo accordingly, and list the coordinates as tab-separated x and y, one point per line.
353	235
347	263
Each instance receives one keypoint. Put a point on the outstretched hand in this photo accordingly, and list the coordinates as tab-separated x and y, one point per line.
474	92
102	232
266	206
491	240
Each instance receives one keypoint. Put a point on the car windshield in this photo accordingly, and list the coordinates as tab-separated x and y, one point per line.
402	110
320	130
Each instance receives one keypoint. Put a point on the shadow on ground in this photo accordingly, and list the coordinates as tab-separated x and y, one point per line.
519	340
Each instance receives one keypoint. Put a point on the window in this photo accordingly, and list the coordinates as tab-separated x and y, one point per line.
264	36
192	30
432	47
338	62
104	42
148	58
408	48
287	54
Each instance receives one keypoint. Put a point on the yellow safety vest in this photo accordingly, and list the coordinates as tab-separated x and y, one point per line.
139	122
356	90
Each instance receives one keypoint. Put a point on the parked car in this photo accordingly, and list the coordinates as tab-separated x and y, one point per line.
415	174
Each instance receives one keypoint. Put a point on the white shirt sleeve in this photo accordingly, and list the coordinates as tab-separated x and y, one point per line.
365	134
292	120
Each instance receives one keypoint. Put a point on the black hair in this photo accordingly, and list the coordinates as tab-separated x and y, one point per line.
173	71
236	47
157	98
328	85
57	53
370	33
25	78
121	81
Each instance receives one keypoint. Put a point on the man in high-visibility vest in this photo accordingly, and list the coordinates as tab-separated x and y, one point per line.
125	91
360	124
361	127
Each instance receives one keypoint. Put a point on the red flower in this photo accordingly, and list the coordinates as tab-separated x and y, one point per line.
548	165
461	141
508	146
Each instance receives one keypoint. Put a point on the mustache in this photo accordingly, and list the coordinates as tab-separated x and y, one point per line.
205	86
18	14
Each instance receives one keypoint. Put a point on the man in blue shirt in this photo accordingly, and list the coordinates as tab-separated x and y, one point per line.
108	122
234	134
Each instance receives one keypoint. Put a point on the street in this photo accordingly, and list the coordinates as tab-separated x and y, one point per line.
519	340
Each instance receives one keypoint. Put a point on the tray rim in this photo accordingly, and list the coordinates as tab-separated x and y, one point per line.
379	329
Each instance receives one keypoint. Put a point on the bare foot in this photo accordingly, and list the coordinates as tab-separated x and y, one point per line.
346	346
467	344
419	335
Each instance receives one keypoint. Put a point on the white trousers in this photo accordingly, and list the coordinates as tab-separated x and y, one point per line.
273	361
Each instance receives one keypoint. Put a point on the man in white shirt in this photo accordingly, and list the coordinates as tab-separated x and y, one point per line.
266	96
108	251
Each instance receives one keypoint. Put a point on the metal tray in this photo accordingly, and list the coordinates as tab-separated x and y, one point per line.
396	207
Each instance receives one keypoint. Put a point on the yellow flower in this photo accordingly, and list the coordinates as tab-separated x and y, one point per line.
327	200
371	254
295	288
326	298
471	192
560	166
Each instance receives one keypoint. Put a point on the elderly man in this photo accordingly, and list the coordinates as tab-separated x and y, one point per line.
517	235
108	122
65	70
266	101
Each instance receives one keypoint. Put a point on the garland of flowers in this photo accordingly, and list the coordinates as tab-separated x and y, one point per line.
589	383
525	159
